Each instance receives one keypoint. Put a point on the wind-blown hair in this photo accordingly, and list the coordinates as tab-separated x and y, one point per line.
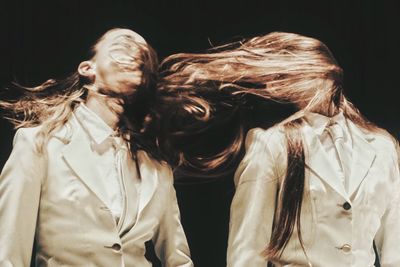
52	103
279	70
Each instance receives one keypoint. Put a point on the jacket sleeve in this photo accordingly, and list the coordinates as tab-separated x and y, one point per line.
20	185
170	242
388	237
253	205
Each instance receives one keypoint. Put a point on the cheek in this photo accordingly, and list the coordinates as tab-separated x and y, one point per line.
135	77
131	76
125	82
117	77
105	70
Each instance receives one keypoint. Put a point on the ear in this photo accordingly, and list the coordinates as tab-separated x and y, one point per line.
87	69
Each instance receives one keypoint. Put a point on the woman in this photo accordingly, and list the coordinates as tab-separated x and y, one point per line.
81	186
316	189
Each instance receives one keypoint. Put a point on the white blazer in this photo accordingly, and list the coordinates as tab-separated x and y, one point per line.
52	202
334	233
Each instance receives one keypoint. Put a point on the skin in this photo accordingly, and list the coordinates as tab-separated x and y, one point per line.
115	74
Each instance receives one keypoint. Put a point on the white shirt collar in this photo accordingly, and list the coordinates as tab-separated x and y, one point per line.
319	122
97	129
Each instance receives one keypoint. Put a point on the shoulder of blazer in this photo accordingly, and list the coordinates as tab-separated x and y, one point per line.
25	149
66	131
272	138
379	139
386	147
28	133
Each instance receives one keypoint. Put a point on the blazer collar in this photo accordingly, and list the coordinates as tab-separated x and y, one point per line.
93	125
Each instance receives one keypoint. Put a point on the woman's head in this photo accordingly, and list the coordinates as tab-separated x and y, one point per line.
121	64
121	72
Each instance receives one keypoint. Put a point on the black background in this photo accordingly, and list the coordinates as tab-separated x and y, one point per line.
47	39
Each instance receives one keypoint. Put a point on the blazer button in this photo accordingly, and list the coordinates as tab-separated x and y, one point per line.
346	248
116	247
346	205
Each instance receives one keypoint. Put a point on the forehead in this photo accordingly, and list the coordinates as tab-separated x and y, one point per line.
120	35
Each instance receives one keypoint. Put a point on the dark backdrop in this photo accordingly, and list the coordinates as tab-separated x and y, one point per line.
46	39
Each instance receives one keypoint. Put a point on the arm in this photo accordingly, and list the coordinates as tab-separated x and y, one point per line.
170	241
388	237
253	205
20	184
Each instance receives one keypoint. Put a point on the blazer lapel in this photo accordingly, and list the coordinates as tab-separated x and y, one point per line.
149	179
317	160
79	157
142	178
131	184
363	157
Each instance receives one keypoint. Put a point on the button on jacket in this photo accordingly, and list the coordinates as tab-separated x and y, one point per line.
55	199
338	225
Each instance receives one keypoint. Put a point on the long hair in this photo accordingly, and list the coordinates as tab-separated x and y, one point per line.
52	103
49	105
279	70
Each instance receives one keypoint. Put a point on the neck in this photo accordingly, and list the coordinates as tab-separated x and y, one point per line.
103	107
